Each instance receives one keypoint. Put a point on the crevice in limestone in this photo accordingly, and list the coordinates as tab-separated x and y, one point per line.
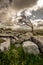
38	43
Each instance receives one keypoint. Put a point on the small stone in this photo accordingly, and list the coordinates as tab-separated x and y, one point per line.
13	41
1	49
17	45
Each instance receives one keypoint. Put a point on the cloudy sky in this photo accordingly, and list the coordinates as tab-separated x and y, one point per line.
20	4
37	11
34	7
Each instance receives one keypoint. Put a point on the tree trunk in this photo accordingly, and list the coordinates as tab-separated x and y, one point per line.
32	30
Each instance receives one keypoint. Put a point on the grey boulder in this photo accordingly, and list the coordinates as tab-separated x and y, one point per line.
30	48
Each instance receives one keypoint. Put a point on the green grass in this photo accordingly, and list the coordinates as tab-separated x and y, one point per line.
16	56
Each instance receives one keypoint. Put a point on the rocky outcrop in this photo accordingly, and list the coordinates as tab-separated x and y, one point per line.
21	37
31	44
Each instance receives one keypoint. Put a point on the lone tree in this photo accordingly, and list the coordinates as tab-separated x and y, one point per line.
24	20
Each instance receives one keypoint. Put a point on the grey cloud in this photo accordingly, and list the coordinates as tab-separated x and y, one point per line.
4	3
19	4
38	14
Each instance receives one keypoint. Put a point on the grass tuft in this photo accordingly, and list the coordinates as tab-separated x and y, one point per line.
16	56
